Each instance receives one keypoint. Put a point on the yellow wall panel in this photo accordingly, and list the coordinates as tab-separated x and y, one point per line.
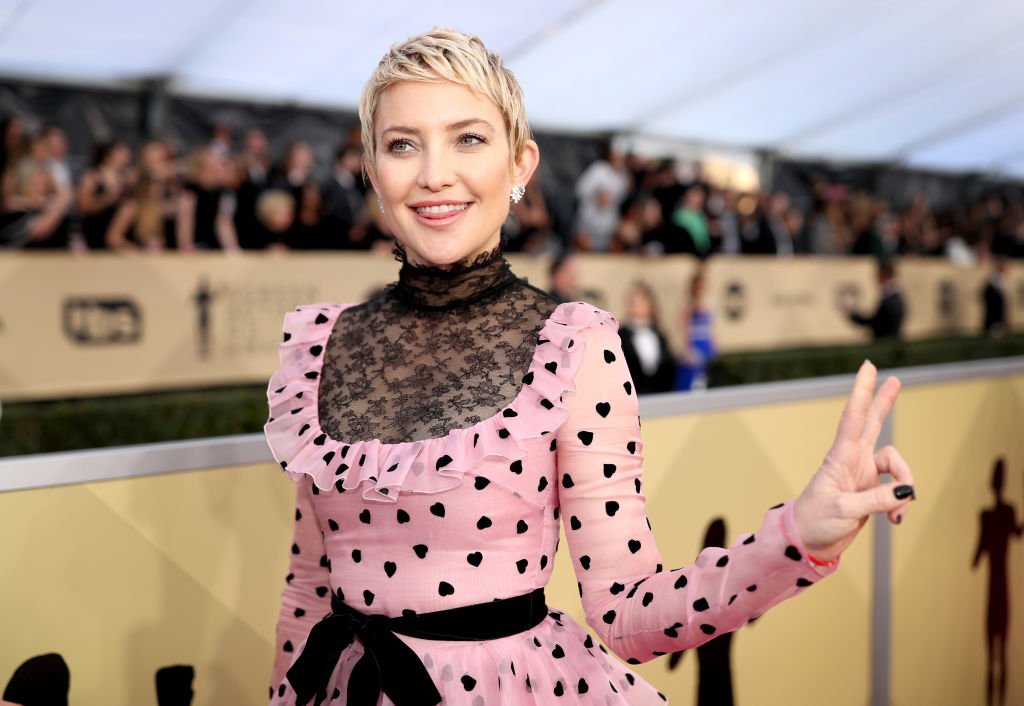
127	576
955	433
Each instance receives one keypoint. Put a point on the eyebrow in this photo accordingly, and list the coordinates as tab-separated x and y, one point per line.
452	126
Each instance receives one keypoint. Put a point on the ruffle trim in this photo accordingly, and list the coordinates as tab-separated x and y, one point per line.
382	471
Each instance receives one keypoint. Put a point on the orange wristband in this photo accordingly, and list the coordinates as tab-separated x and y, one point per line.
818	562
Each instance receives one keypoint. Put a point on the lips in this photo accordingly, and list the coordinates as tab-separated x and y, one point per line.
440	210
438	214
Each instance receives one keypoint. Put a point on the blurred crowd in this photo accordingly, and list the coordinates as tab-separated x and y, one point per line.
631	204
232	193
212	197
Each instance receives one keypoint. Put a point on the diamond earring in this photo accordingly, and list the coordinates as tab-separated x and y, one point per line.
518	191
380	204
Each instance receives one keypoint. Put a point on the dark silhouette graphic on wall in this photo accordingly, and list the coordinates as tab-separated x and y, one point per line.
174	685
203	299
998	526
42	680
714	671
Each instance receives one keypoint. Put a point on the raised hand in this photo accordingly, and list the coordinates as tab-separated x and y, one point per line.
847	489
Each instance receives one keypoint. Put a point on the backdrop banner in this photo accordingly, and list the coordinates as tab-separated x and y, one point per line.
108	324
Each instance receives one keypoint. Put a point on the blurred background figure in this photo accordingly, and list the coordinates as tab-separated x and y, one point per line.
36	197
252	167
344	202
629	233
692	373
56	159
309	229
147	216
206	207
222	141
774	236
11	140
105	184
644	346
692	221
275	214
563	274
993	297
887	321
600	191
292	175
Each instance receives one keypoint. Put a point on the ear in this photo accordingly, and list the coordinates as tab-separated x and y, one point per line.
526	163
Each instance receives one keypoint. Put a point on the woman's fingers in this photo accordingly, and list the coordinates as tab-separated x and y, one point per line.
890	498
879	409
888	460
851	424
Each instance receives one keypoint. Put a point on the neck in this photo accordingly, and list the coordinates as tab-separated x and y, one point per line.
433	288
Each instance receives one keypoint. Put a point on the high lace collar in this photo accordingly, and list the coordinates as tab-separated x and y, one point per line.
441	288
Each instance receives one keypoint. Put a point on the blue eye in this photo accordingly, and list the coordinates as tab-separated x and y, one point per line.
399	144
471	139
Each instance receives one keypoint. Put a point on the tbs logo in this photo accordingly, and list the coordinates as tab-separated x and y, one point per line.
102	321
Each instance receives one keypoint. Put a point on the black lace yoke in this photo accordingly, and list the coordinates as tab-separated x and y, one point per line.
441	349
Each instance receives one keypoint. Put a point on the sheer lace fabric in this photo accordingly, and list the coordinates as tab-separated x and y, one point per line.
441	349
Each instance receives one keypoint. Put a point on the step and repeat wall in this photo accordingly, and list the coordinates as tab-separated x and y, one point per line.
127	576
106	324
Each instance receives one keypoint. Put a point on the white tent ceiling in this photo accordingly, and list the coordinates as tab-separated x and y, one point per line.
929	83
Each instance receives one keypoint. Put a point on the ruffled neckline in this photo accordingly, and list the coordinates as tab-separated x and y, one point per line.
381	471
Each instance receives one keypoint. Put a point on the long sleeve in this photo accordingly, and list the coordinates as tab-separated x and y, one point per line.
307	594
638	609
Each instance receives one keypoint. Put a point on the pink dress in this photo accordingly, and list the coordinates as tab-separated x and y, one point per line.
474	516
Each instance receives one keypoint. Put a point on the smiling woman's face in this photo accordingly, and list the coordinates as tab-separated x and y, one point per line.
443	170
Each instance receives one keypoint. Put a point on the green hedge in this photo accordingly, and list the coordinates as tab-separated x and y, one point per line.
63	425
766	366
34	427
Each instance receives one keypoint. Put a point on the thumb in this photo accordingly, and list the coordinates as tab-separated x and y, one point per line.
882	498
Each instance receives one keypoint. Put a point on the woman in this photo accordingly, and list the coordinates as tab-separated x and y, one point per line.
648	357
205	207
35	216
146	219
439	430
692	373
100	192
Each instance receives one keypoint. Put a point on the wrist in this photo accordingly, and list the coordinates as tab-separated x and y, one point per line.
817	561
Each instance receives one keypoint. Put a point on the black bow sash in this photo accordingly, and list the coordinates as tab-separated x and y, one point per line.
388	664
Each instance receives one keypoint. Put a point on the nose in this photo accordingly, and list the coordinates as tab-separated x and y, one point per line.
437	170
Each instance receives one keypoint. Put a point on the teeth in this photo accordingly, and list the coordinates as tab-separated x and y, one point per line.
447	208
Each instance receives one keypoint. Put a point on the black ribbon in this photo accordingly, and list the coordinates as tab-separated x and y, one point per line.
388	664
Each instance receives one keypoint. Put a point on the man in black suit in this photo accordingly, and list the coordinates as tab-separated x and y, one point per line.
887	320
344	201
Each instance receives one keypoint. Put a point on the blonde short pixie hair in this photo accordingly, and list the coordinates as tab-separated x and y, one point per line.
446	55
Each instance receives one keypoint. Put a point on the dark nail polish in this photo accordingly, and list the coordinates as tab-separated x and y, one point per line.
902	492
899	519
